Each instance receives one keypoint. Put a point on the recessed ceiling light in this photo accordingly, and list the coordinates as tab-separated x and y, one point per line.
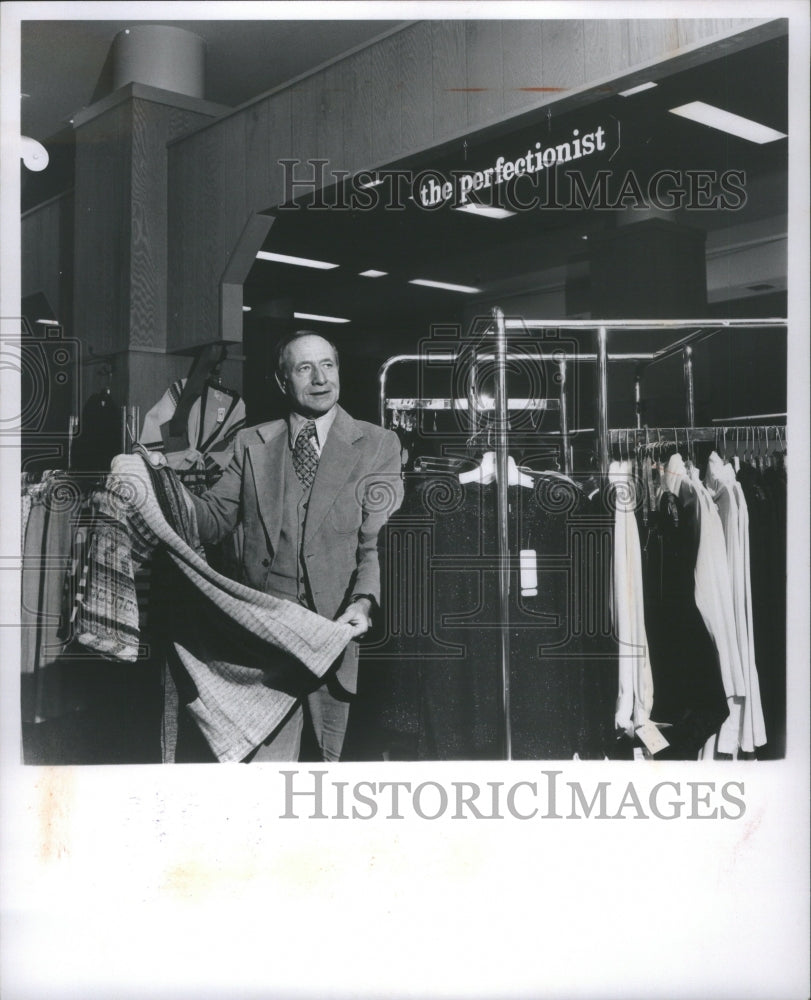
283	258
371	273
486	211
246	309
444	284
371	184
47	322
638	89
725	121
320	319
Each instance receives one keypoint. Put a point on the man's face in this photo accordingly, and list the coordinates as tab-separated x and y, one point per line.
310	376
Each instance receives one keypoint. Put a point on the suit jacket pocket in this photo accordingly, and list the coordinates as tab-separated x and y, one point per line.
345	516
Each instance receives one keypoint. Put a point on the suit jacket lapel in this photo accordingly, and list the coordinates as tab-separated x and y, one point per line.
268	464
338	460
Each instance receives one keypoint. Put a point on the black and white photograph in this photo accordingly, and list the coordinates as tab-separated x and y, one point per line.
397	400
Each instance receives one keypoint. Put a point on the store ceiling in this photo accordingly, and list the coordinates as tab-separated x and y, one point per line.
532	249
65	65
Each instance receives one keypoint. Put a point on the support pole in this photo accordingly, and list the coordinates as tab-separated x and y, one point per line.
502	512
638	398
564	420
602	398
689	393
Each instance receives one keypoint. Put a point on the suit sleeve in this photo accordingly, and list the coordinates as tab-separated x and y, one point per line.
382	495
218	509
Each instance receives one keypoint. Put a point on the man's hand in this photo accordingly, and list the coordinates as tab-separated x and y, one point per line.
358	616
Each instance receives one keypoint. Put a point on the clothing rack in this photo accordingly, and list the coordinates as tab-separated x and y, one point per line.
698	330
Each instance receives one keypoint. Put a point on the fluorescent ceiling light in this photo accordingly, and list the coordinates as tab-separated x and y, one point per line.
638	90
320	319
371	184
445	285
371	273
246	309
47	322
283	258
486	211
744	128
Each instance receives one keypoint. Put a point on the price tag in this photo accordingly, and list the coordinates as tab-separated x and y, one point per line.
651	737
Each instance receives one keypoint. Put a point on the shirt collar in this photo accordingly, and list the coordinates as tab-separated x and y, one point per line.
322	425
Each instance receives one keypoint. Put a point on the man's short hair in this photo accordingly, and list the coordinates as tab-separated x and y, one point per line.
288	339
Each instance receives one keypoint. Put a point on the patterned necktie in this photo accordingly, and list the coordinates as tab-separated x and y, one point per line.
305	457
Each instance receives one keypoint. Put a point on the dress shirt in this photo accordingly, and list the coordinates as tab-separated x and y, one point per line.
297	422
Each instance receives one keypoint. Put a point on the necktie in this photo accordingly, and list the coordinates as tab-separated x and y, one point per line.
305	457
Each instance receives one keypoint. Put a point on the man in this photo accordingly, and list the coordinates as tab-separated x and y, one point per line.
312	493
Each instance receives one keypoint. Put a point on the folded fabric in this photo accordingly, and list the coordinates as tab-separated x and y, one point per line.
242	649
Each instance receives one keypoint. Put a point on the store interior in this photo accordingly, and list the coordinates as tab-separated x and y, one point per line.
719	254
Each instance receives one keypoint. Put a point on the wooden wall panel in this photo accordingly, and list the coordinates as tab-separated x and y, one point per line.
484	52
605	47
102	193
304	111
450	77
46	256
148	219
652	39
357	91
331	119
523	80
268	139
416	93
563	60
387	100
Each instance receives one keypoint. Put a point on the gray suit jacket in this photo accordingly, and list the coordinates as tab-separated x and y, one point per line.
357	487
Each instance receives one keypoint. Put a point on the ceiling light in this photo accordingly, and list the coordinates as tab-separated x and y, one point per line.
744	128
486	211
47	322
371	273
371	184
638	90
445	285
246	309
283	258
320	319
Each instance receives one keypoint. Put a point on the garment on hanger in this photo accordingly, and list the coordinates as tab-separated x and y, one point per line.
99	438
689	702
765	494
435	676
635	678
49	688
215	418
729	498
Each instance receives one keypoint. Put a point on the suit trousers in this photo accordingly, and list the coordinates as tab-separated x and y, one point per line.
327	708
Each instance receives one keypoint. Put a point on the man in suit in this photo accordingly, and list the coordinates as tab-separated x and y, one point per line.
312	492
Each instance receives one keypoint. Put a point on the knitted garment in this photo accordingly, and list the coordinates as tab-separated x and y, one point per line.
240	647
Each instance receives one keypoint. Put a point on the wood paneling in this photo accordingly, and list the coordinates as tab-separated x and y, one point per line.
387	99
46	262
102	193
449	78
357	90
417	84
523	81
652	39
563	61
605	45
484	52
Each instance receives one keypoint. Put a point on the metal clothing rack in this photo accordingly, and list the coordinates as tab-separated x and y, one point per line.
698	331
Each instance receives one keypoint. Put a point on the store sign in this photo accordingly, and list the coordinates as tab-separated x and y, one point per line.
461	186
